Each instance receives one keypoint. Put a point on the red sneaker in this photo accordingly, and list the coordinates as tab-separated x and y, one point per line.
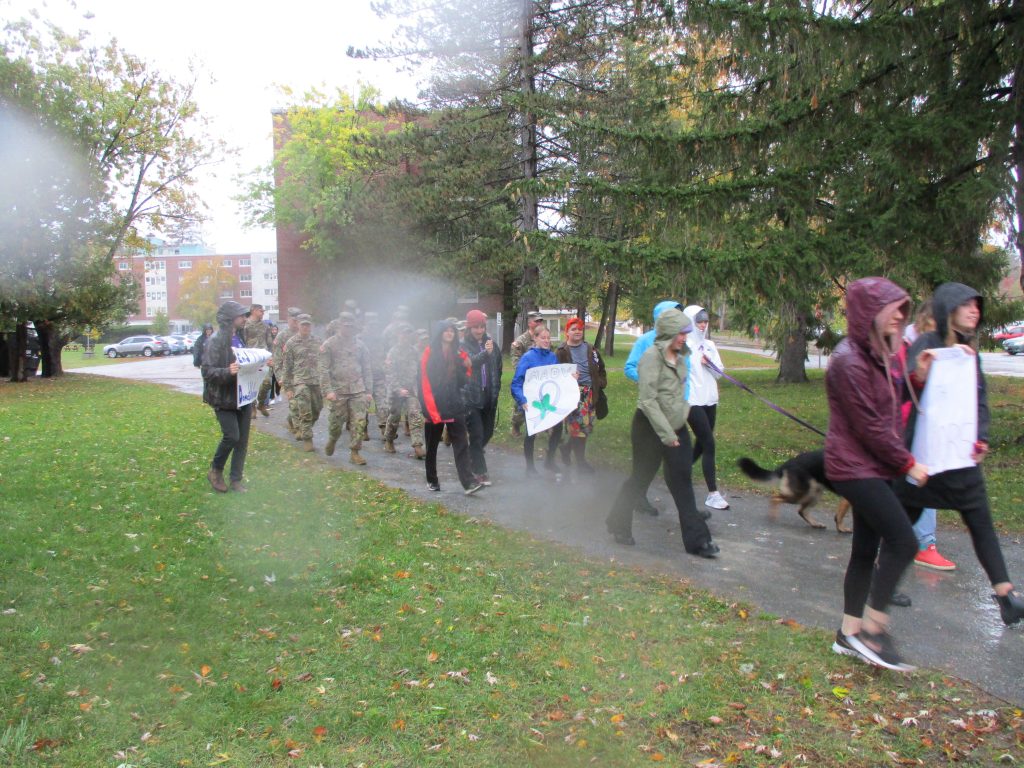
930	558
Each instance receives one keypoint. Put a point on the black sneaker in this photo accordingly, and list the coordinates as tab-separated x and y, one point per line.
1011	607
842	645
879	650
901	600
624	538
433	487
646	507
474	488
708	549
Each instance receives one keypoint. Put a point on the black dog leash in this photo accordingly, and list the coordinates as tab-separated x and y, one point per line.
769	403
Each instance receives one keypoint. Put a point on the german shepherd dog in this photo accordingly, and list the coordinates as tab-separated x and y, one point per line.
801	480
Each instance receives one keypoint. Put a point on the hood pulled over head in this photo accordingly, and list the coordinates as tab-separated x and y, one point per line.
865	298
661	306
228	311
670	323
696	337
947	298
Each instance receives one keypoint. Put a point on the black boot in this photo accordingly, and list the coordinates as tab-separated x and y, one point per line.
579	448
1011	607
566	455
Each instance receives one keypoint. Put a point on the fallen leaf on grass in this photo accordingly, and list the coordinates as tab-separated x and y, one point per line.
79	648
318	733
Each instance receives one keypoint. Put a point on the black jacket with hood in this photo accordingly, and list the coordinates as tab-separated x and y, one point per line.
220	386
444	373
945	300
474	393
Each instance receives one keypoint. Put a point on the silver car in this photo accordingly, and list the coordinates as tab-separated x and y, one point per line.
1014	346
147	346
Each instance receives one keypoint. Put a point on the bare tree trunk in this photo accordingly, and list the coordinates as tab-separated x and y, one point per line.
793	349
1018	162
602	324
528	146
51	345
16	353
613	308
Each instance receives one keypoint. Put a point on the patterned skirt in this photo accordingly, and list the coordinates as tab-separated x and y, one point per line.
580	423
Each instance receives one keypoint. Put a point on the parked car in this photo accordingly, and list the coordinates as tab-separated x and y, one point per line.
1014	346
1012	331
176	346
147	346
185	339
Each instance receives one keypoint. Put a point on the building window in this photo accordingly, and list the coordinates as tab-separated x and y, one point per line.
150	312
246	278
245	262
227	293
160	264
468	298
270	260
245	293
225	262
204	280
270	275
184	265
270	292
271	307
123	265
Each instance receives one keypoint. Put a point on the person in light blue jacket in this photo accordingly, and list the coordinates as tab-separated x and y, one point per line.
641	346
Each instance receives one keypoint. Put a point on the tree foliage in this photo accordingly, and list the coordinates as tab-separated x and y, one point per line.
200	291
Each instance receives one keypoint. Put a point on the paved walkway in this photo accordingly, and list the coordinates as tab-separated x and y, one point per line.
783	566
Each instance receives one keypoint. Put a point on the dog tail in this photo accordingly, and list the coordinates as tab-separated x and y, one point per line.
755	472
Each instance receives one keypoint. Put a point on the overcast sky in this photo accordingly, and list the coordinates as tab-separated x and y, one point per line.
243	52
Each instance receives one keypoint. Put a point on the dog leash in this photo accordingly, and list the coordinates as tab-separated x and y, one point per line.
769	403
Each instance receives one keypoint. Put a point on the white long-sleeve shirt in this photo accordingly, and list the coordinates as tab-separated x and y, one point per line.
703	382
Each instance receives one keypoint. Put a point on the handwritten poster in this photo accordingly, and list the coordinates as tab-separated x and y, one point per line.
551	394
947	423
252	369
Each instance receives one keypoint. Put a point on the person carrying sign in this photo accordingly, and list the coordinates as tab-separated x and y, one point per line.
540	354
659	436
220	392
958	312
592	380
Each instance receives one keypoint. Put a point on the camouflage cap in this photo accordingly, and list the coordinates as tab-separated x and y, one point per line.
304	319
294	311
423	333
535	316
346	318
370	315
405	328
255	306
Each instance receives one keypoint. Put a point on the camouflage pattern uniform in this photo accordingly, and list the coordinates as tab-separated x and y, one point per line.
399	318
522	344
256	335
278	360
346	372
301	377
374	341
402	369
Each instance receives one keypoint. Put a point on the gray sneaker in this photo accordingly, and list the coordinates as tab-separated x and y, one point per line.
715	500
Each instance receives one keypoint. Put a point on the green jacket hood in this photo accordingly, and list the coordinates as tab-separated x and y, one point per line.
671	322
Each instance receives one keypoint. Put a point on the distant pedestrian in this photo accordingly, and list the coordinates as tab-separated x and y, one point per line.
659	437
277	361
220	392
197	348
401	371
702	394
482	391
444	372
300	377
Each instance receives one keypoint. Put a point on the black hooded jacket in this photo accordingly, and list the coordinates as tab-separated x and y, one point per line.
444	372
220	386
475	394
946	299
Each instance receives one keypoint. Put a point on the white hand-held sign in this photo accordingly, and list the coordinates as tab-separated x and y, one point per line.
552	393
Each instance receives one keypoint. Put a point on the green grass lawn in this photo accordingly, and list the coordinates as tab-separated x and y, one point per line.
324	619
747	427
75	358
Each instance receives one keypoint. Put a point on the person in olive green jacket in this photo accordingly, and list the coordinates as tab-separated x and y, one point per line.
659	435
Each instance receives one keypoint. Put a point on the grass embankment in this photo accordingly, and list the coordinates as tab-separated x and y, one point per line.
748	427
324	619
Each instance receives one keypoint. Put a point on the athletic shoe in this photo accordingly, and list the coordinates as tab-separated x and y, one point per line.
484	480
843	646
901	600
1011	607
474	488
885	655
708	549
624	538
715	500
433	487
646	507
930	558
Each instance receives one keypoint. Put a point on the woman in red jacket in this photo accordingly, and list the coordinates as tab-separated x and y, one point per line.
864	452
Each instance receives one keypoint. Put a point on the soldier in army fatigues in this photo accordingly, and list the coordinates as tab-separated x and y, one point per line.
522	344
278	360
399	318
256	335
301	379
372	337
346	379
402	368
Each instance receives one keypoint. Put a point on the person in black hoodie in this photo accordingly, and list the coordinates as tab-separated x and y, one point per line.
220	392
444	373
197	348
958	312
482	390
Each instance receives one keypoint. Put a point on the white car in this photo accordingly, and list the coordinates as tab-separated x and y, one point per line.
1014	346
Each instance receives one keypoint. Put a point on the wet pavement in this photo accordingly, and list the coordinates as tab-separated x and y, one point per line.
782	566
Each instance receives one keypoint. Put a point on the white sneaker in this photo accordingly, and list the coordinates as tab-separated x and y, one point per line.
715	500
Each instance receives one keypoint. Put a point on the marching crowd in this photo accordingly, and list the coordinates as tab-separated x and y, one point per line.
444	388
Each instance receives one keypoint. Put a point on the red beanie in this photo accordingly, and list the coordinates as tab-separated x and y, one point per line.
476	317
575	321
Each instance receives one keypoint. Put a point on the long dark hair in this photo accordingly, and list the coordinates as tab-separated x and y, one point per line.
443	357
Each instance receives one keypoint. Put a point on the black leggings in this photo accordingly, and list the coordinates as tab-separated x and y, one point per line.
702	422
883	544
964	491
460	446
554	436
234	439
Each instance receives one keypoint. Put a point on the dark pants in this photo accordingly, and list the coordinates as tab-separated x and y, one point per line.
702	421
964	491
883	545
234	430
554	435
460	444
480	425
648	454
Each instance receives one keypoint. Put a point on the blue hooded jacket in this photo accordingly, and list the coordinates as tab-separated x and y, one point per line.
645	341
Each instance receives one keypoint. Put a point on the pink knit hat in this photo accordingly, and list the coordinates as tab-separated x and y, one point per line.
475	317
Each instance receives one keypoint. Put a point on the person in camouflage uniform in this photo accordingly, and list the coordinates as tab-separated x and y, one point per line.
373	338
301	379
256	335
523	343
402	369
278	360
399	318
346	379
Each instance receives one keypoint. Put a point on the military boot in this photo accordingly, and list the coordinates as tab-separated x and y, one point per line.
418	452
389	446
307	446
355	458
216	478
329	448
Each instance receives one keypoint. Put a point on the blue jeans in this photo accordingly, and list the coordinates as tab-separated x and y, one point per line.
924	528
